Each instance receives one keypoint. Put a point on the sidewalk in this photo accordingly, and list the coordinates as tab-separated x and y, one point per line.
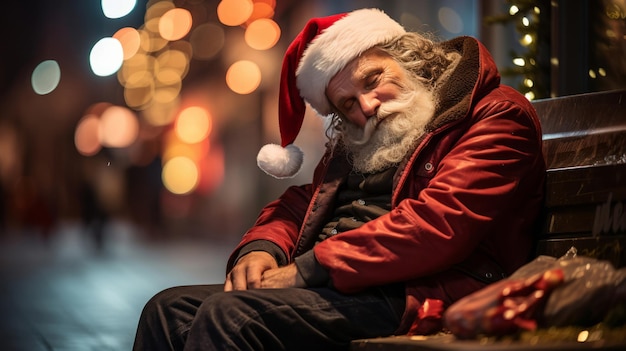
65	296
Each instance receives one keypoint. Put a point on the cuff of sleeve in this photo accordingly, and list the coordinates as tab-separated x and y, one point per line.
264	245
313	273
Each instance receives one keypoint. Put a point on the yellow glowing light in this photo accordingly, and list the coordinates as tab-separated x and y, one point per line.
175	24
180	175
193	125
262	34
525	21
139	62
139	89
513	10
154	11
529	82
151	41
161	114
527	40
243	77
174	60
234	12
176	148
130	40
554	61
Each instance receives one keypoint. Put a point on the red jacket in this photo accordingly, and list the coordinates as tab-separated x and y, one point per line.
469	194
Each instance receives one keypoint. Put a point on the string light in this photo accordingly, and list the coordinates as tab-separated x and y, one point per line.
532	65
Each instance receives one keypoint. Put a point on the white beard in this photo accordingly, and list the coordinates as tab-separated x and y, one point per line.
388	137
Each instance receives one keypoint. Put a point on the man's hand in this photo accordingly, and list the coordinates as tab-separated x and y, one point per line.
248	271
283	277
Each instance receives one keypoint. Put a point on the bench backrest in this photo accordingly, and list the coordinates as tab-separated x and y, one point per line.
585	152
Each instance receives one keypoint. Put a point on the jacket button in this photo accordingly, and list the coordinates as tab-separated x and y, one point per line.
428	166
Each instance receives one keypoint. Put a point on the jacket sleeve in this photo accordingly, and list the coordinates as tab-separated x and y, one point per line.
476	187
279	222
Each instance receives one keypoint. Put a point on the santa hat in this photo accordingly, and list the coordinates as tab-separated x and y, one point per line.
323	48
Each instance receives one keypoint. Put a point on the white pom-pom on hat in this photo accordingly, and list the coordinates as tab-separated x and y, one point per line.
280	162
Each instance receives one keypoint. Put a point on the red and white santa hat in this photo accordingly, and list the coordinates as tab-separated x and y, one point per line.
322	49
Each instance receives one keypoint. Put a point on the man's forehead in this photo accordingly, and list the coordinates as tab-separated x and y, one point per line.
359	68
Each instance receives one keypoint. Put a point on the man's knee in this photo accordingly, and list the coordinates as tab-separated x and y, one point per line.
227	306
161	301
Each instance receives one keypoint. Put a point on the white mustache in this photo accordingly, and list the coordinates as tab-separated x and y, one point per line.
386	110
368	130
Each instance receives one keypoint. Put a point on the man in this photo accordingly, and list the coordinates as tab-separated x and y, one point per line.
428	191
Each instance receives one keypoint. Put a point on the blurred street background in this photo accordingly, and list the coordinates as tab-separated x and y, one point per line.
66	294
129	132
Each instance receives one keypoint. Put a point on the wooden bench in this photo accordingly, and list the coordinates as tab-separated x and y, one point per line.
585	151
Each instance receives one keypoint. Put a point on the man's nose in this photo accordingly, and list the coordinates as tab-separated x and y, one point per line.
369	104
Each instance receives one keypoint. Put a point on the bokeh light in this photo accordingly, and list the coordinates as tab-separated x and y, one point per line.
193	125
262	34
211	170
139	89
450	20
207	40
151	41
140	62
106	57
154	10
262	9
118	127
175	24
130	40
46	77
117	8
174	60
243	77
173	147
180	175
168	86
234	12
87	135
161	114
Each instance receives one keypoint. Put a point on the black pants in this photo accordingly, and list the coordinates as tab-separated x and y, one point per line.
203	317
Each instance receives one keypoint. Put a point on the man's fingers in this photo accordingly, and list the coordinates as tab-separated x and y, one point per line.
228	285
253	277
244	278
248	271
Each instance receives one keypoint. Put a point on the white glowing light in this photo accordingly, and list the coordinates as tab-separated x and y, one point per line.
117	8
519	62
106	57
46	77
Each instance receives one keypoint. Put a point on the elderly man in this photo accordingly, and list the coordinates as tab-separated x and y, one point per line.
429	190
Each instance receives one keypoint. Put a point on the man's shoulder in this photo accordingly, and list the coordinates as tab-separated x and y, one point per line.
505	96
